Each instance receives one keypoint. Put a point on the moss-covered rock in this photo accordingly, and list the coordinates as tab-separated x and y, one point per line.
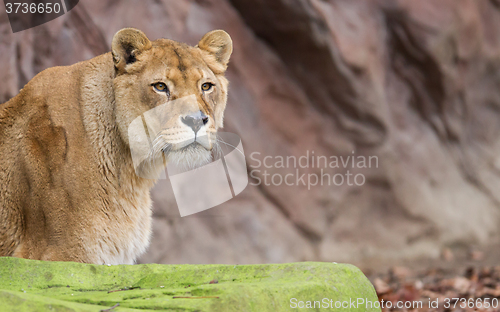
27	285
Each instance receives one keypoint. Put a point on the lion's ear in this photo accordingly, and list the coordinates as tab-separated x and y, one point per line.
219	45
127	44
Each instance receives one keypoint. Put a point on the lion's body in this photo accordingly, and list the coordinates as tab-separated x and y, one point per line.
63	168
68	188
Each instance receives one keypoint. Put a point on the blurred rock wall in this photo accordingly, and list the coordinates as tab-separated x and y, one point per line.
413	84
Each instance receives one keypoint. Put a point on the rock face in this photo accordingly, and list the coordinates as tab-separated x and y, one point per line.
27	285
415	85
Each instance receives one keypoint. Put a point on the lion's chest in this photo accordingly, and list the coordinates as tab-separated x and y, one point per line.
127	234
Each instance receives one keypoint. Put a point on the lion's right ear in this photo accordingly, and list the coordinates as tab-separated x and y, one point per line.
127	44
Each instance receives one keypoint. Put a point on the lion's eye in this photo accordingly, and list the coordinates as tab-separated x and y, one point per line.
207	86
160	87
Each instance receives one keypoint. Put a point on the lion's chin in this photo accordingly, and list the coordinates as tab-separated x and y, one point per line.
190	157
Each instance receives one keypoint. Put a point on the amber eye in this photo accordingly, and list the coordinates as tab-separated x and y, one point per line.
160	87
207	86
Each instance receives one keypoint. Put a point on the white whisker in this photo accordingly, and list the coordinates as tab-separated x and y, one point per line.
222	141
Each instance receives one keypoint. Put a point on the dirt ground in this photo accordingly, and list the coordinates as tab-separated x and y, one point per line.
463	279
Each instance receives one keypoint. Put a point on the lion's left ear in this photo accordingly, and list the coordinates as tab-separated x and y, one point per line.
127	44
219	45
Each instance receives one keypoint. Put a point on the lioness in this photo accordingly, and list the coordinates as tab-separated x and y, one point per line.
68	187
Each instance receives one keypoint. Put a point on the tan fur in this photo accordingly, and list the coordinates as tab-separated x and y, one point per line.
68	188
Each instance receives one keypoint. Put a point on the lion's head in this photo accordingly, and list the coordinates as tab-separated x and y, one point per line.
170	97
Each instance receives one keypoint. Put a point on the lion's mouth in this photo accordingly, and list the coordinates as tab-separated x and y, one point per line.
197	143
186	155
192	146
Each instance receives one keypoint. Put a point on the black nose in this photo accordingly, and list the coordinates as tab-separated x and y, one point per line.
195	121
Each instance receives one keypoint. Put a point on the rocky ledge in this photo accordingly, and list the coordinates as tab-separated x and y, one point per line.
28	285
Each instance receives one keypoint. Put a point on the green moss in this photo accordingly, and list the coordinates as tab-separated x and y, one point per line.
27	285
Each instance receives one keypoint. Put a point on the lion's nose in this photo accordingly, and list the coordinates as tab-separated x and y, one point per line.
195	121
